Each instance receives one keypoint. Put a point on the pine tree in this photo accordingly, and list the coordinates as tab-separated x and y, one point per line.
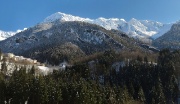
0	55
54	91
19	84
125	96
145	59
32	71
157	92
141	96
43	90
2	89
4	65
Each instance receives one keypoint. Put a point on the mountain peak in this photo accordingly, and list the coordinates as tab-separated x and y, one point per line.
134	21
60	13
64	17
54	17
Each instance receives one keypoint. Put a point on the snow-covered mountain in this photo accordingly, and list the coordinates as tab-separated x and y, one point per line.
135	28
142	29
4	34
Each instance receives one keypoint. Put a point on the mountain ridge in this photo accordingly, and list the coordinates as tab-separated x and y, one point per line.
135	28
145	30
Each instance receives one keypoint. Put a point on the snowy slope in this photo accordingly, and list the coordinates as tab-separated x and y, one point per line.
134	27
111	23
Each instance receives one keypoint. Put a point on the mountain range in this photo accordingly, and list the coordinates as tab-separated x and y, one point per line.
141	29
135	28
62	36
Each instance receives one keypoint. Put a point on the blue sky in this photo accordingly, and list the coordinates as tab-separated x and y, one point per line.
17	14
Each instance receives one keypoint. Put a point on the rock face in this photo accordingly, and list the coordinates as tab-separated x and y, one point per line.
170	40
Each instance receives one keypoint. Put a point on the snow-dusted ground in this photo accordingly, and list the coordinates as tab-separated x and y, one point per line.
12	66
41	69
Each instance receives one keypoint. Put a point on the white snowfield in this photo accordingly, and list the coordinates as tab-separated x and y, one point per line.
134	27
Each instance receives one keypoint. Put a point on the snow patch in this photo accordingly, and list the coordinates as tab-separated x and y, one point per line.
44	70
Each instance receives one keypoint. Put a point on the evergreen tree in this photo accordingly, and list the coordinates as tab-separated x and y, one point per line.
4	65
141	96
0	55
158	95
43	90
2	89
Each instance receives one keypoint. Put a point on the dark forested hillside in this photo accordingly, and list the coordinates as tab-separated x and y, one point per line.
137	81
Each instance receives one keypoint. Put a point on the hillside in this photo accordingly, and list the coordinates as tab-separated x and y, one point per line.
67	40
